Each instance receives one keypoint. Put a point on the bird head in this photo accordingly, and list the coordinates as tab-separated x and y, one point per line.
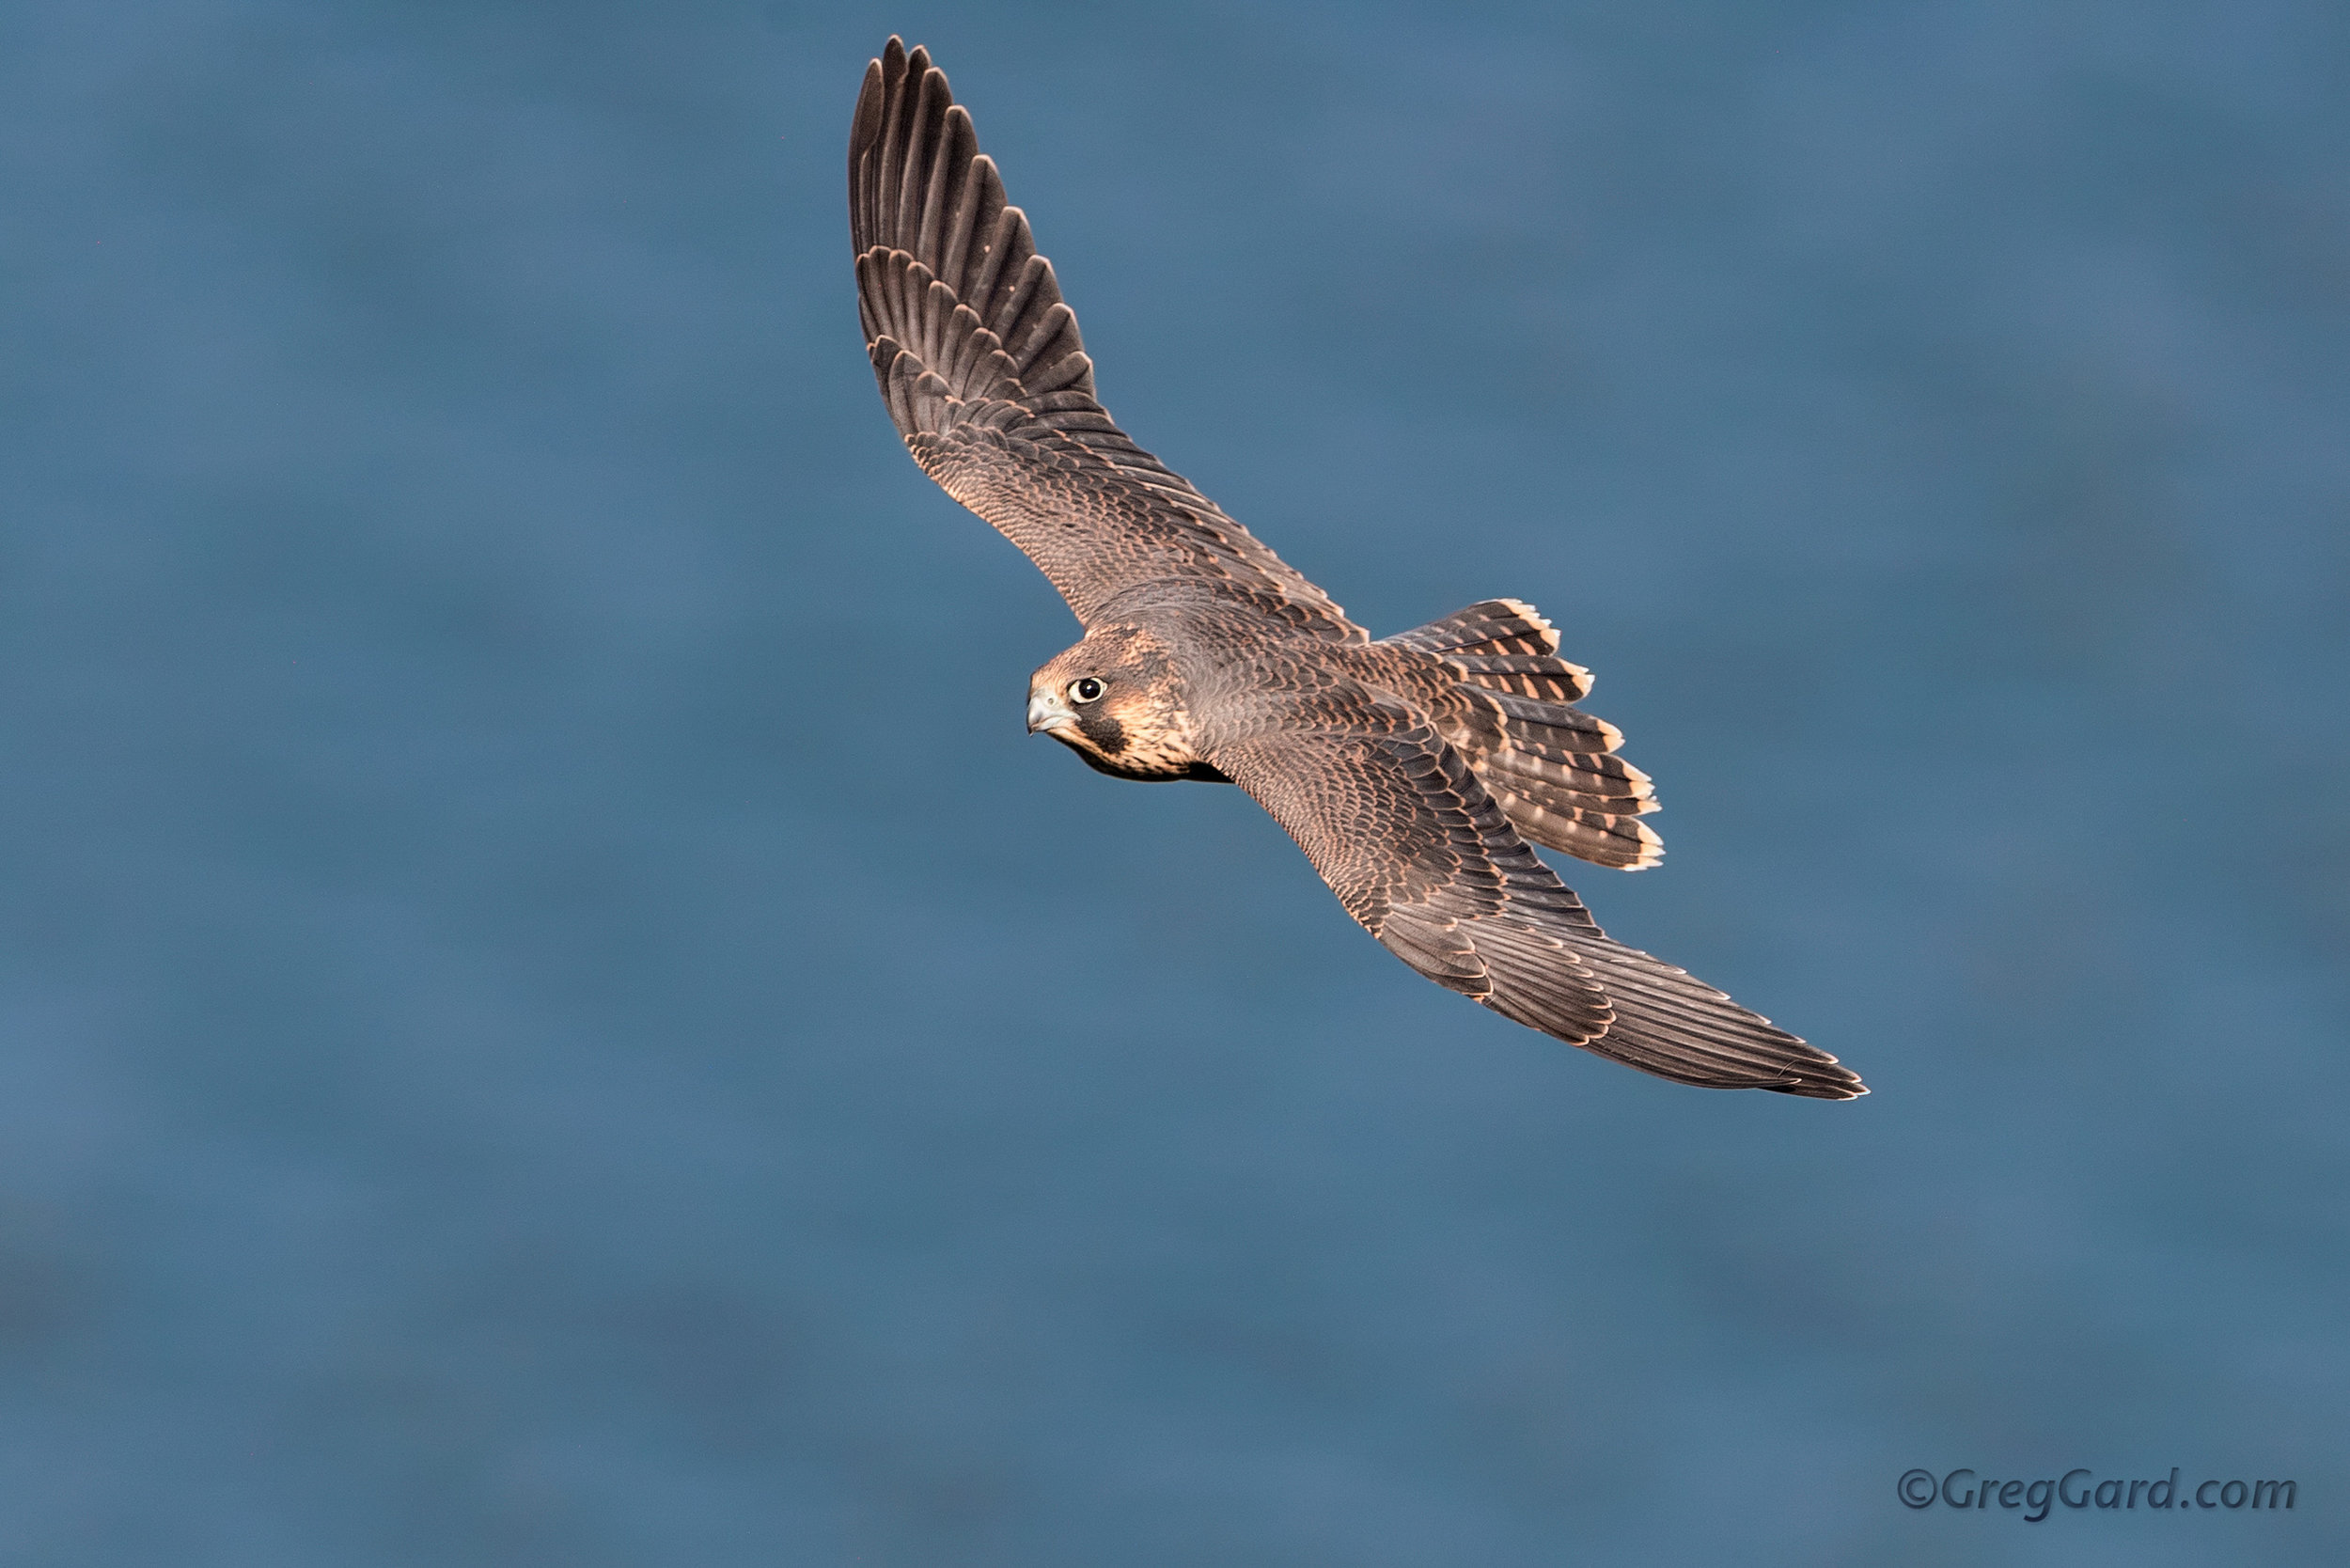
1117	700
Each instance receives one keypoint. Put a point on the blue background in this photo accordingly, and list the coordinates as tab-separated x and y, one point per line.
550	1013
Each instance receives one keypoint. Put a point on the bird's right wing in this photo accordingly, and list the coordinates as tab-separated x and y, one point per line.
1400	829
983	370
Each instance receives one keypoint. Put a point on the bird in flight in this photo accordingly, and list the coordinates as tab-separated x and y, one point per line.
1414	770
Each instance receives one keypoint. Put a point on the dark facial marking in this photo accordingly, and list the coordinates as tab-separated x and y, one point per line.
1103	731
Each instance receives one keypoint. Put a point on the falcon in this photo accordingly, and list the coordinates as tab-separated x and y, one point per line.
1416	771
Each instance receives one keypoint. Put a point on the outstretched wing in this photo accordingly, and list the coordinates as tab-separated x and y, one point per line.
983	370
1419	853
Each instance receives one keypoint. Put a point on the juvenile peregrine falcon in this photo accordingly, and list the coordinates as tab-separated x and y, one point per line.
1412	770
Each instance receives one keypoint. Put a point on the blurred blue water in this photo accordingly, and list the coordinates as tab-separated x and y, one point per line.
549	1013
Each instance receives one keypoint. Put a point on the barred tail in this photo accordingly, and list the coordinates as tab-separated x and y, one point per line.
1504	644
1550	766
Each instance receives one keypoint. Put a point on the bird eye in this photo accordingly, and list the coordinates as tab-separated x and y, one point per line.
1085	689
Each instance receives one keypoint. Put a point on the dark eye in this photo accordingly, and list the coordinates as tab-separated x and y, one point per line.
1085	689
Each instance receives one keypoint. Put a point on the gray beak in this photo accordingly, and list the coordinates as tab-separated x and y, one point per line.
1047	711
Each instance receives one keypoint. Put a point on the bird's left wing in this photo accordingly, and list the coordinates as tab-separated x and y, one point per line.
987	379
1400	829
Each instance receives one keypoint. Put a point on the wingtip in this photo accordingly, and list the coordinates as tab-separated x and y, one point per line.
1814	1089
1823	1077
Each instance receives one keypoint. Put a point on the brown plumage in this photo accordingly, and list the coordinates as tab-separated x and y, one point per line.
1413	770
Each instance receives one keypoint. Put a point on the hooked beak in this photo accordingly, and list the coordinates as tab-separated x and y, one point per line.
1048	713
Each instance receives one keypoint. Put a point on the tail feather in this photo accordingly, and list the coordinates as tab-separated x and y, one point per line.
1545	679
1608	783
1553	728
1500	641
1615	839
1549	765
